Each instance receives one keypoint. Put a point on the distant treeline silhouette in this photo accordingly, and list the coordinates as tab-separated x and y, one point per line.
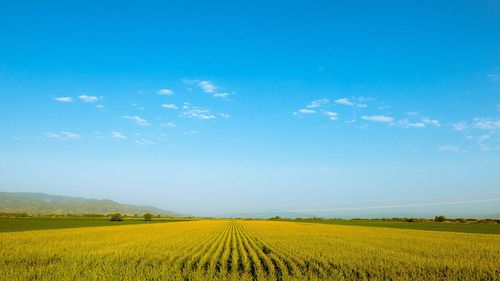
439	219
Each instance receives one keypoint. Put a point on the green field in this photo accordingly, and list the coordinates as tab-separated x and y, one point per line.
26	224
491	228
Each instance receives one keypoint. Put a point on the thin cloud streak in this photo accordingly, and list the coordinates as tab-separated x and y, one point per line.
397	206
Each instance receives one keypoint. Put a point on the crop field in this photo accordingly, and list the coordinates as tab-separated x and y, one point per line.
247	250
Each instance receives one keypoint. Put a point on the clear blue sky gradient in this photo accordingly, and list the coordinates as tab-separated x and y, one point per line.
407	104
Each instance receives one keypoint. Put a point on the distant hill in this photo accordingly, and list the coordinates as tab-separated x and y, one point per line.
40	203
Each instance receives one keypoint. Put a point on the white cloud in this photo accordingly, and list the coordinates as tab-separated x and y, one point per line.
88	99
64	99
169	106
207	86
221	95
138	120
332	115
225	116
165	92
168	125
317	103
434	122
418	125
348	102
118	136
405	123
198	113
486	123
460	126
344	101
62	136
450	148
307	111
378	118
483	138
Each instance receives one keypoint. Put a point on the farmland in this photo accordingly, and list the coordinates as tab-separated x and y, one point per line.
473	227
258	250
38	223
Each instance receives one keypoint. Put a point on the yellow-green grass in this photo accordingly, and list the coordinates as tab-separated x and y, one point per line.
245	250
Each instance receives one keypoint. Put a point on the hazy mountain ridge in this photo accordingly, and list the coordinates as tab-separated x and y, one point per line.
41	203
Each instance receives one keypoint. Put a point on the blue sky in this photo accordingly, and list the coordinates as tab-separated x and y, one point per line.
335	108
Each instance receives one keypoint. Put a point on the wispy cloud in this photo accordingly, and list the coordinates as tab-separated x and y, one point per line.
118	136
138	120
430	121
88	99
62	136
64	99
460	126
450	148
168	125
207	87
332	115
169	106
348	102
318	103
220	95
486	123
191	132
143	142
405	123
473	201
344	101
484	132
165	92
198	113
195	112
307	111
378	118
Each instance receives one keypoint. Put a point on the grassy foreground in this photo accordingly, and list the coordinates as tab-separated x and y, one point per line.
262	250
26	224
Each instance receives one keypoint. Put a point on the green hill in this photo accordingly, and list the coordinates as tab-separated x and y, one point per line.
40	203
